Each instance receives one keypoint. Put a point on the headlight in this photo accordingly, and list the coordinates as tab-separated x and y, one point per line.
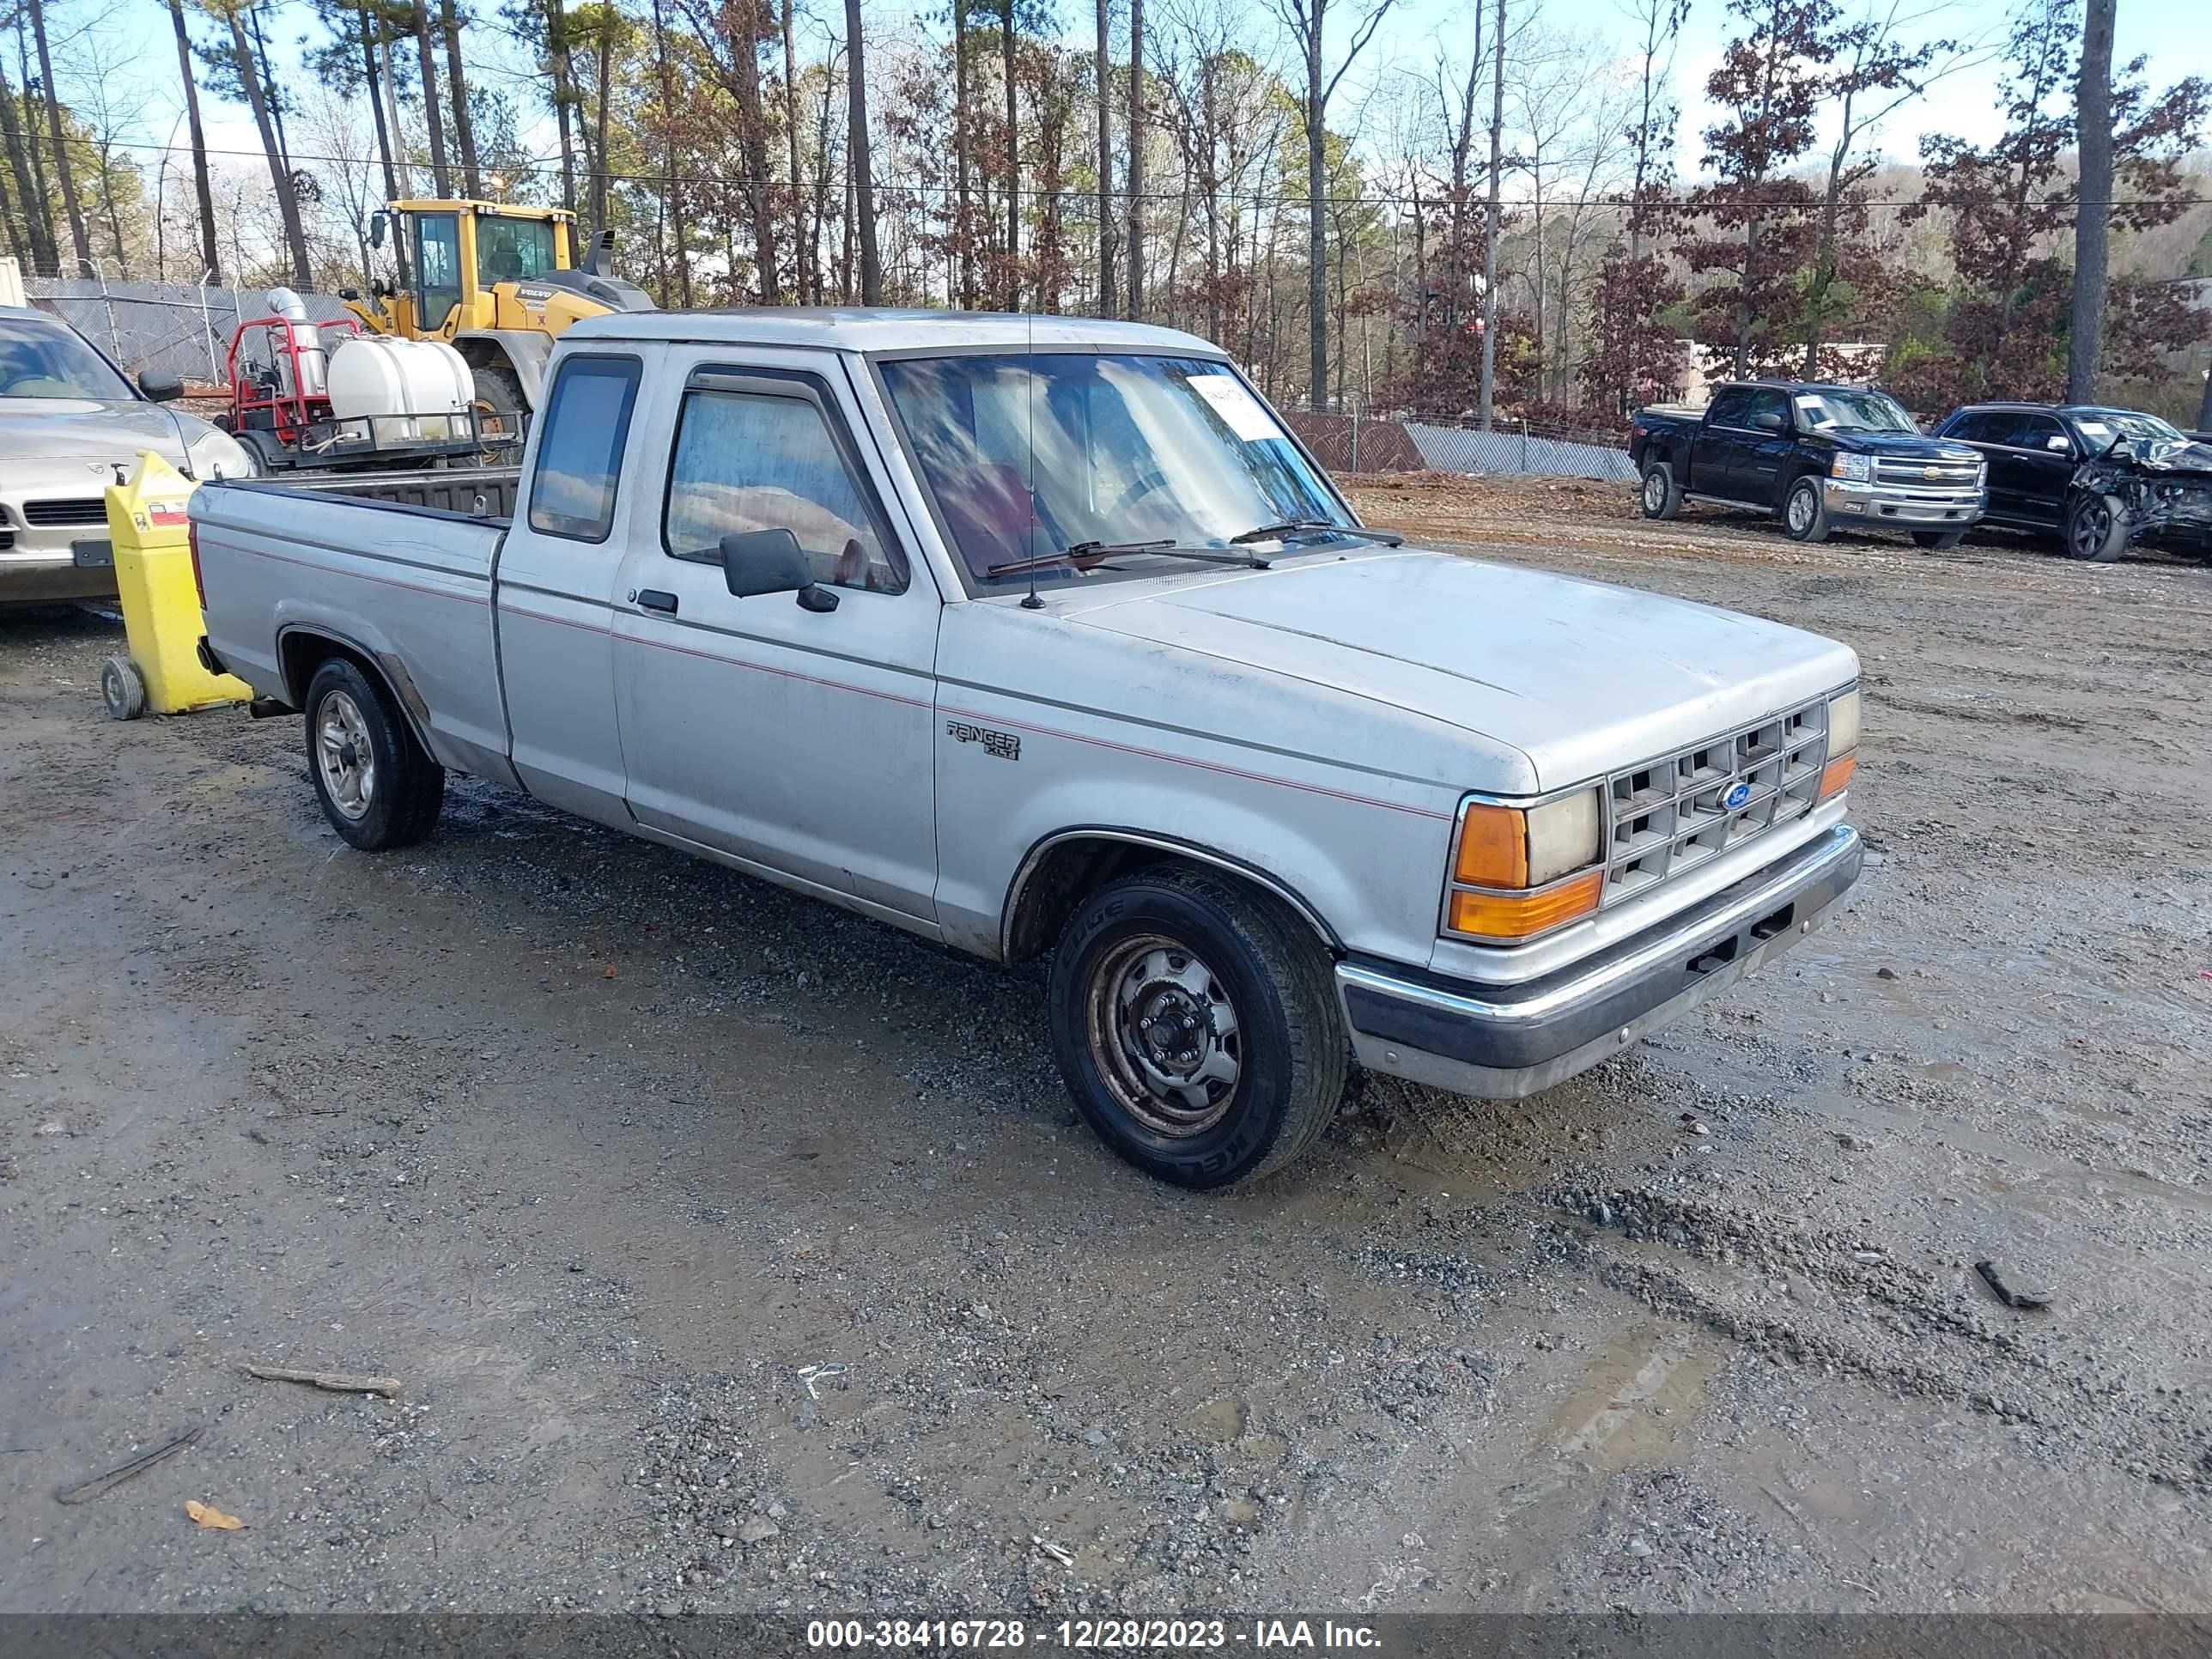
1845	464
1514	871
1842	744
218	455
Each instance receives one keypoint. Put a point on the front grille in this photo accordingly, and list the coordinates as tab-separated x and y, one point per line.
1926	475
1673	813
52	514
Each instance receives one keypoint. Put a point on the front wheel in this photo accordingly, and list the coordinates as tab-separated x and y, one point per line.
377	787
1802	514
2097	528
1196	1025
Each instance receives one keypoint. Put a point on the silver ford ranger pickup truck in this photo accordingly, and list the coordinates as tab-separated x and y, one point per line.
1044	637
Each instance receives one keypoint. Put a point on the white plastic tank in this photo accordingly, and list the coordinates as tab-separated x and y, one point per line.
314	361
374	374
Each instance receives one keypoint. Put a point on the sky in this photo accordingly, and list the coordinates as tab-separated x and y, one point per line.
1965	103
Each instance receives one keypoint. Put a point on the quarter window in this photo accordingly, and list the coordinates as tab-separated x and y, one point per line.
580	455
767	460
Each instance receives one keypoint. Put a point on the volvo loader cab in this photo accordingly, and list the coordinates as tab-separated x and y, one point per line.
500	282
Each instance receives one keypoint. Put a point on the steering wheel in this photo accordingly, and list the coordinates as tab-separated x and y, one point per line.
1136	492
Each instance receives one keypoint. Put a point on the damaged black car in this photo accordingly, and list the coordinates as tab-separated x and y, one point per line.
2101	480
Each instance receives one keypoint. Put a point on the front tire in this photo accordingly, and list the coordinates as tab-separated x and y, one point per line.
378	787
2097	528
1662	496
1195	1024
1803	515
499	398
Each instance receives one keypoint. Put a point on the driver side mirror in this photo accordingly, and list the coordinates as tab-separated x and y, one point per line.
1767	420
2058	441
378	221
161	388
757	561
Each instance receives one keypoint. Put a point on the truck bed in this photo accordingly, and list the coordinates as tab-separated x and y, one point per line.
397	566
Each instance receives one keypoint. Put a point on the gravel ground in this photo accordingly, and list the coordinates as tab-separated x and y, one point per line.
736	1254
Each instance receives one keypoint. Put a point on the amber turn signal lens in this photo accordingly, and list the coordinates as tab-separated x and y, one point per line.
1519	915
1494	846
1837	777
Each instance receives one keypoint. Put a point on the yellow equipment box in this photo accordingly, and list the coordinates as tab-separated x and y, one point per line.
147	523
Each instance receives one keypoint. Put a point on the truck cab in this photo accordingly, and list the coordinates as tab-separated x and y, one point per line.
1819	457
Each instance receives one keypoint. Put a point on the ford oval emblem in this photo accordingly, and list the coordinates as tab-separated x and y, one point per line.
1736	797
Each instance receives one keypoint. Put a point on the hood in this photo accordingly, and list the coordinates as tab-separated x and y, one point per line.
1582	677
68	428
1905	446
2169	456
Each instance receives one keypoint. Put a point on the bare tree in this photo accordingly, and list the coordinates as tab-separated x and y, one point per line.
232	13
1104	76
858	159
30	187
63	171
1136	160
202	192
1491	214
1308	21
2093	126
427	67
457	89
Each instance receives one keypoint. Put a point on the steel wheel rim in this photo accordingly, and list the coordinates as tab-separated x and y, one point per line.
1164	1036
343	756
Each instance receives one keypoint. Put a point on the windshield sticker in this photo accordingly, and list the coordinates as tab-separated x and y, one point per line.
1239	409
2095	428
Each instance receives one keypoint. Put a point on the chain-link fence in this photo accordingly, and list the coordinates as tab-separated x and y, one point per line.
1359	442
169	328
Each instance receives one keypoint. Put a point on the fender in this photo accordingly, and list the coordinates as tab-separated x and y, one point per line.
524	350
385	666
1034	857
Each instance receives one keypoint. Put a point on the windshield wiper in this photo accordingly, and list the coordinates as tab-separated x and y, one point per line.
1082	551
1274	532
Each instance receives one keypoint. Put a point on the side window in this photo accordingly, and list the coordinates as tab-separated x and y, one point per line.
2036	432
1730	406
1771	405
579	454
1967	428
770	460
438	266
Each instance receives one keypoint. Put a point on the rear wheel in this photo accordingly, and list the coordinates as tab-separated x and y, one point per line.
1938	541
378	787
1662	495
1196	1026
1802	514
2097	528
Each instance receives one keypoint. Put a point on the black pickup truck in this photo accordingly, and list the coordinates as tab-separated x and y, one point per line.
1820	457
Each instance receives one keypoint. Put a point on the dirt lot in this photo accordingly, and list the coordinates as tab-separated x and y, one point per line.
737	1254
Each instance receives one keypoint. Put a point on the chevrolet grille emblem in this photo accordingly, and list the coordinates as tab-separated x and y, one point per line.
1931	472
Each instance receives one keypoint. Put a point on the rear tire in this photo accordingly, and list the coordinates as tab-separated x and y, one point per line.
1804	518
1938	541
378	787
1661	496
1195	1024
2097	529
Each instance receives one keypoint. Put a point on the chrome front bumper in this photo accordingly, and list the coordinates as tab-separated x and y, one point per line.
1883	503
1504	1042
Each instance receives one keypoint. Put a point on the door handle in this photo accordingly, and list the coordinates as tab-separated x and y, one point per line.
657	598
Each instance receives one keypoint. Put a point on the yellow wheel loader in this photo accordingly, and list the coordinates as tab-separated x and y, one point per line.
497	282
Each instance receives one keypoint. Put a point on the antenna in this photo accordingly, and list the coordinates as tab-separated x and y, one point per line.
1029	464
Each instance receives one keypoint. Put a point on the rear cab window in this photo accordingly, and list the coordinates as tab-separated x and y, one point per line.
580	453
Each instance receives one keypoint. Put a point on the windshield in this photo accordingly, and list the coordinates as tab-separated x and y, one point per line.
44	360
513	250
2136	429
1851	411
1030	456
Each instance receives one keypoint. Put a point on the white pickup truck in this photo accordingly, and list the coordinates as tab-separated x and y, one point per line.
1043	636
